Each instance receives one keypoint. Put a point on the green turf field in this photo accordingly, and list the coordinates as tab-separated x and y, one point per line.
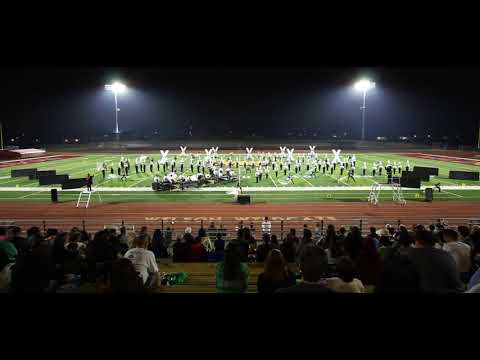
275	189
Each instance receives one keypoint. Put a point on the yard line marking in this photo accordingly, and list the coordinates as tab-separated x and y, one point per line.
448	192
308	182
271	178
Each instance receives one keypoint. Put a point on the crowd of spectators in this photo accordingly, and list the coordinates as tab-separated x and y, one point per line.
436	258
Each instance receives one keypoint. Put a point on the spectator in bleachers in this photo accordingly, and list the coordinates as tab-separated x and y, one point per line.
314	268
399	275
329	236
276	274
157	246
464	235
342	234
266	226
437	268
460	252
58	251
14	236
33	234
180	250
197	251
385	248
345	280
3	234
353	243
212	231
123	237
33	272
243	241
231	275
264	248
274	241
289	247
124	278
205	240
373	234
368	263
219	253
8	256
402	239
188	237
120	247
99	254
474	280
317	234
306	242
144	261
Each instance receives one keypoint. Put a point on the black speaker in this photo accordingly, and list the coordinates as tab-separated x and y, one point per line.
463	175
429	194
54	195
243	199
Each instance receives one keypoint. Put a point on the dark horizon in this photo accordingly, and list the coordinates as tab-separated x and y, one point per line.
52	103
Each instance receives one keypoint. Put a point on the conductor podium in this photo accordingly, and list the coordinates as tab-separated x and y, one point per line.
243	199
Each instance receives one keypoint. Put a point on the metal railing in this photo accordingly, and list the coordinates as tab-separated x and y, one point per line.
228	227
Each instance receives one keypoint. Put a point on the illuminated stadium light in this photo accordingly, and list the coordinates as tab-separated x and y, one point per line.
364	86
116	88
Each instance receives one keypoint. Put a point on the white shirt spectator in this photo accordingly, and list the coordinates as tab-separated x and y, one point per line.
143	260
461	253
337	284
266	227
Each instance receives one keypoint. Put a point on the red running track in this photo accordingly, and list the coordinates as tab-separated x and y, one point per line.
29	214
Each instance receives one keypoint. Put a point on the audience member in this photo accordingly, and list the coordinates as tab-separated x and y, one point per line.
157	245
231	275
180	250
345	280
368	263
353	243
264	249
8	256
437	268
197	252
14	236
398	275
144	261
314	268
460	252
276	274
124	278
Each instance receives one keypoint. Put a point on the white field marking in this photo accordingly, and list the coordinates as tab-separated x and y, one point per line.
138	182
5	177
448	192
308	182
226	188
271	178
33	193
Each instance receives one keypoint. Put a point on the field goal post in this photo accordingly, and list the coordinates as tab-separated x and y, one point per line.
397	193
374	195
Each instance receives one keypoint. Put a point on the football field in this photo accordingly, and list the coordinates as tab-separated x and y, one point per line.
303	186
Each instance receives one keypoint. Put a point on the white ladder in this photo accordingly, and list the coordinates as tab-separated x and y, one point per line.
374	193
397	194
89	196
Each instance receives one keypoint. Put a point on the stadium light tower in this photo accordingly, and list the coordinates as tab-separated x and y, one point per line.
363	86
116	88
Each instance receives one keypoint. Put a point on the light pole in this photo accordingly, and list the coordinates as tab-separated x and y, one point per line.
116	88
364	86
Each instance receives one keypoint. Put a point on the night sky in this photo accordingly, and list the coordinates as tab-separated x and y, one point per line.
52	102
